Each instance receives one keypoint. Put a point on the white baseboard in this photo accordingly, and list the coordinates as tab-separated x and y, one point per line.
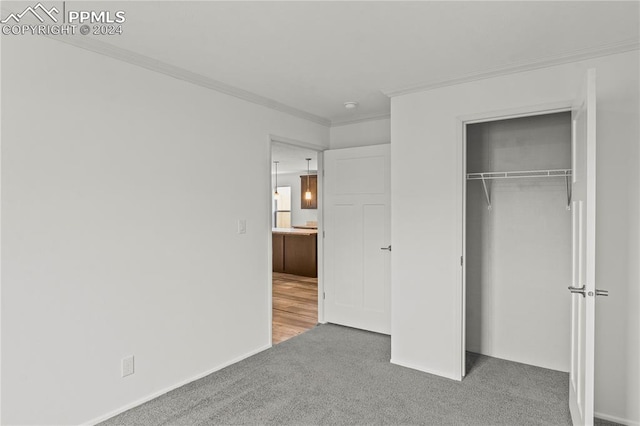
154	395
170	388
424	370
615	419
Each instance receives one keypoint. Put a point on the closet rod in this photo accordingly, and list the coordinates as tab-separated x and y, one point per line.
484	176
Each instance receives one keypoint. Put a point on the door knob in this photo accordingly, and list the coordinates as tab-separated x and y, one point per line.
386	248
578	290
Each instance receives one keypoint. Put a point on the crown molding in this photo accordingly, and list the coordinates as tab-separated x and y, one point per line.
361	119
143	61
577	55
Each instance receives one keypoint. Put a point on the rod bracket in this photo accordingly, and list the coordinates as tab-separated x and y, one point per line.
568	191
486	193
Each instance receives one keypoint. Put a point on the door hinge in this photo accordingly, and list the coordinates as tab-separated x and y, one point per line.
324	295
323	234
461	261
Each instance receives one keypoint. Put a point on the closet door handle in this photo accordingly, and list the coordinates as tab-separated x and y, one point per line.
578	290
583	292
386	248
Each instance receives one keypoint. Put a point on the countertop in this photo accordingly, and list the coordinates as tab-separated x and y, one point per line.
294	231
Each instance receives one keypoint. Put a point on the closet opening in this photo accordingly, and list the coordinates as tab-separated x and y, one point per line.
518	241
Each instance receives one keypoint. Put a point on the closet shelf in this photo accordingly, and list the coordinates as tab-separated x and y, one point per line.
484	176
519	174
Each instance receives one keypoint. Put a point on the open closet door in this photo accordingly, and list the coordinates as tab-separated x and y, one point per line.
581	375
357	226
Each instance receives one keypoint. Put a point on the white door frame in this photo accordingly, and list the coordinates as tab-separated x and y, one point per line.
461	132
320	245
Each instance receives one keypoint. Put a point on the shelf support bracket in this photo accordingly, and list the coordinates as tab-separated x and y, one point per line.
486	193
568	192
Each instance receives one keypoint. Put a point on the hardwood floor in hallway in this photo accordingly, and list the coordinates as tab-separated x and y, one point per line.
295	305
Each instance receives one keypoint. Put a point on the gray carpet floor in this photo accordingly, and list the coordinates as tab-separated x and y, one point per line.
338	375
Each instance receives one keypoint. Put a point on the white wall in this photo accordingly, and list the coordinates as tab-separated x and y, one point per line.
114	239
426	308
518	254
299	216
373	132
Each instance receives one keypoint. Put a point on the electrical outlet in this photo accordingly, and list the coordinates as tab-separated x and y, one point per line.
242	226
127	366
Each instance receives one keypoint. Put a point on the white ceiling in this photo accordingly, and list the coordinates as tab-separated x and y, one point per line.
292	159
314	56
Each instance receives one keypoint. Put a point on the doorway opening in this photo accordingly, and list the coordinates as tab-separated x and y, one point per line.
296	250
517	240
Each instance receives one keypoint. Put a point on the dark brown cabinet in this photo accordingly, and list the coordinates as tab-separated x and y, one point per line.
278	252
295	253
311	182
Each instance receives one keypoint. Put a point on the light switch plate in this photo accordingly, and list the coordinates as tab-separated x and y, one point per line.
242	226
127	366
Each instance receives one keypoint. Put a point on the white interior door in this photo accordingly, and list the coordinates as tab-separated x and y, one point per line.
581	376
357	237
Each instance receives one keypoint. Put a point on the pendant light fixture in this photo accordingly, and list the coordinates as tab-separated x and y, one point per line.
275	188
307	195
